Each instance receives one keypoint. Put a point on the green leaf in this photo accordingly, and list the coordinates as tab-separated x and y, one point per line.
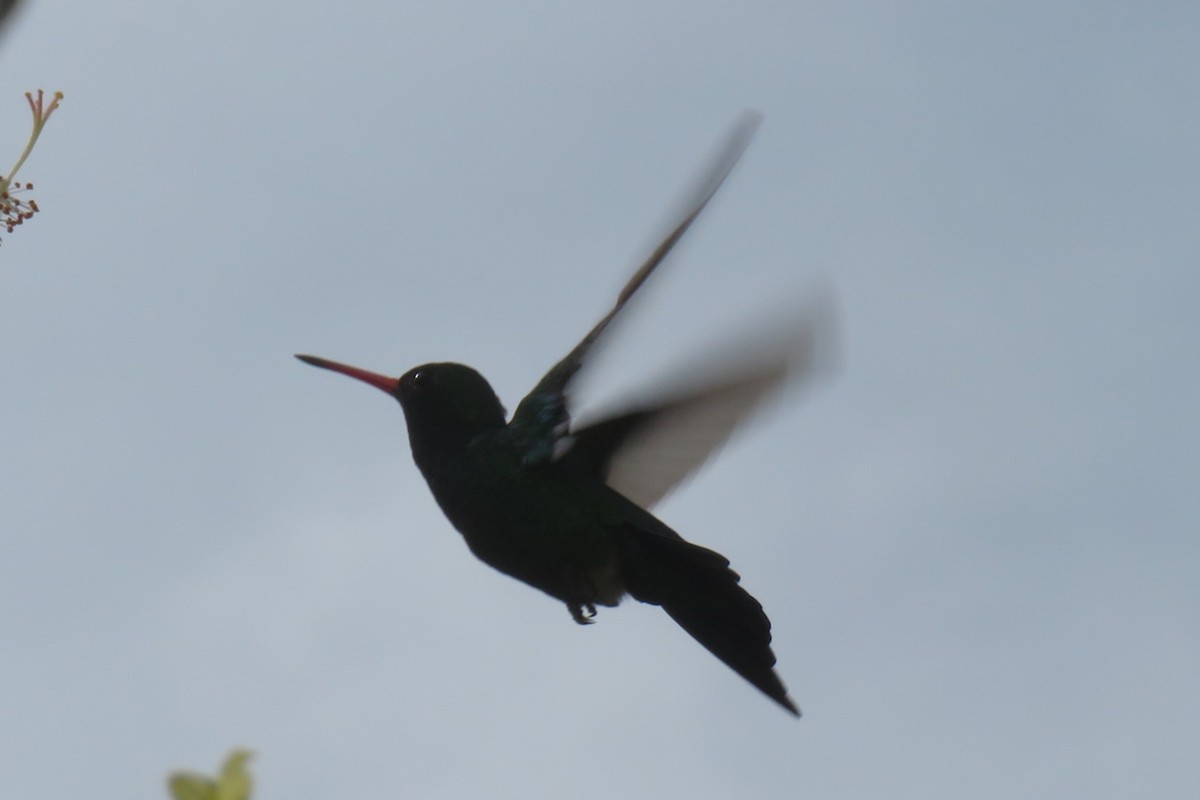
235	782
191	786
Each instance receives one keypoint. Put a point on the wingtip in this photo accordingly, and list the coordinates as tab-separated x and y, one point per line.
749	121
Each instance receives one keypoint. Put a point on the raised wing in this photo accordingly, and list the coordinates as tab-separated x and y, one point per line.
542	418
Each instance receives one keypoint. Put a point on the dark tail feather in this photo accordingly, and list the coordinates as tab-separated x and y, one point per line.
696	587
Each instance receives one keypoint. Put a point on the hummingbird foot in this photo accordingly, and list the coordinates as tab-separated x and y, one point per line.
577	614
581	595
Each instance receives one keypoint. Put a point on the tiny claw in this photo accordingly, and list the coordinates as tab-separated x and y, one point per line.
577	613
580	594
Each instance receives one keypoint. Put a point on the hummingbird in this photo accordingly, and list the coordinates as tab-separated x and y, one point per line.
565	509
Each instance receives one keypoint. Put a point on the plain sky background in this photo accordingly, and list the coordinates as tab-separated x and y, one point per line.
978	540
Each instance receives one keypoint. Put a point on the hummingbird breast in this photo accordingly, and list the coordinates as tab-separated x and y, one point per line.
531	523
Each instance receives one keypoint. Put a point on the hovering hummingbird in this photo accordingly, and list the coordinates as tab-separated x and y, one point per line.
564	509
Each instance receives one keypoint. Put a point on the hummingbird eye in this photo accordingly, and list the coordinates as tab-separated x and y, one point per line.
420	380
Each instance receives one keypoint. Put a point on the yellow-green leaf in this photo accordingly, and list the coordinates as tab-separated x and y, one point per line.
235	782
191	786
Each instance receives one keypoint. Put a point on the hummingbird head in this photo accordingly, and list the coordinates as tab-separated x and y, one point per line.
440	400
449	396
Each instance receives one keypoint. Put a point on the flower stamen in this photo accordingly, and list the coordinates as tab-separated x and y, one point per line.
15	210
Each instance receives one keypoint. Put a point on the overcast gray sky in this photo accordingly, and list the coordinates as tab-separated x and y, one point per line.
977	541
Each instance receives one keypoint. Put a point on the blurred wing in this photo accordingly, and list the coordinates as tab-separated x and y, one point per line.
542	417
6	8
647	452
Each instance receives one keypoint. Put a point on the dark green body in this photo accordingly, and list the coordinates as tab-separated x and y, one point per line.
535	498
550	520
553	530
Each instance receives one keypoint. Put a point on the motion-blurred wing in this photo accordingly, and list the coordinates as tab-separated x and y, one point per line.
542	417
6	8
646	453
649	450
